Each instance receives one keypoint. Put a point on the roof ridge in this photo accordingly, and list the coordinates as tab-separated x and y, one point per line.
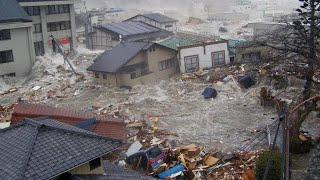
31	145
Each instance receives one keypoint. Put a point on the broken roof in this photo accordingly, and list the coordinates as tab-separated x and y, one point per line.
156	17
111	61
46	149
128	28
11	11
103	126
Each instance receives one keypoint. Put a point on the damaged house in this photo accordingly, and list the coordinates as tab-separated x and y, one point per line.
157	20
132	63
195	54
110	35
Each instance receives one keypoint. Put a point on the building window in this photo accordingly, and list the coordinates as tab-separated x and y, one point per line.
39	48
141	70
5	34
57	9
58	26
166	64
8	75
37	28
218	58
168	26
152	49
6	56
94	164
32	10
191	63
96	75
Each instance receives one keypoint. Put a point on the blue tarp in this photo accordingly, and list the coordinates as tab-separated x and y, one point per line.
87	124
209	93
169	172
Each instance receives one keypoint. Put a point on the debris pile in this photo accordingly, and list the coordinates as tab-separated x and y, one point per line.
5	112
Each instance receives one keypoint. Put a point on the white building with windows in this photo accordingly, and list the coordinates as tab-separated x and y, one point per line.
194	54
51	17
16	43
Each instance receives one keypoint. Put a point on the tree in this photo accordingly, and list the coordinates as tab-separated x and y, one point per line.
299	39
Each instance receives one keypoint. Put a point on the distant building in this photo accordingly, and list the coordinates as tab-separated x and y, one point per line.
47	149
51	17
110	35
194	54
233	17
132	63
157	20
261	28
16	44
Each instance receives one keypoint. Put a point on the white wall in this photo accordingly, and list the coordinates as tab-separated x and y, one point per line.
205	60
22	48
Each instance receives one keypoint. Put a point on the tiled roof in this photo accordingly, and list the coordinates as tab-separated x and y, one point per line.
11	11
111	61
128	28
107	127
114	172
46	149
156	17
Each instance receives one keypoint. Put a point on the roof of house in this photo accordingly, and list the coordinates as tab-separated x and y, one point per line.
174	43
104	126
111	61
11	11
156	17
46	149
128	28
114	172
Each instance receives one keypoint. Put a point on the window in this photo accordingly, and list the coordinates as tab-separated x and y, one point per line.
218	58
96	75
37	28
58	26
57	9
39	48
6	56
94	164
166	64
138	70
152	49
8	75
32	10
5	34
168	26
191	63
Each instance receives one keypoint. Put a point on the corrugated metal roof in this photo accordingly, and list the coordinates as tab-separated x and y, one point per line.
129	28
159	17
174	43
104	126
11	11
111	61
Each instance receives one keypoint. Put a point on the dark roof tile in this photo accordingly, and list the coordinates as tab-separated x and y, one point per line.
11	11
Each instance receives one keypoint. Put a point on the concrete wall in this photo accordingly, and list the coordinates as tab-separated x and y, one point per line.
85	170
204	53
152	58
43	19
22	46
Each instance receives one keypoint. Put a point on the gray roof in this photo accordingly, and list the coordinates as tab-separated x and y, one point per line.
114	172
111	61
11	11
159	17
45	149
128	28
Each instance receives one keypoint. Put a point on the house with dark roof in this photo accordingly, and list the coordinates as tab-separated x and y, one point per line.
48	149
132	63
16	44
107	36
157	20
101	125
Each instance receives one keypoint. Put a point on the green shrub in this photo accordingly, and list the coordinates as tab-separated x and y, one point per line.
275	165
